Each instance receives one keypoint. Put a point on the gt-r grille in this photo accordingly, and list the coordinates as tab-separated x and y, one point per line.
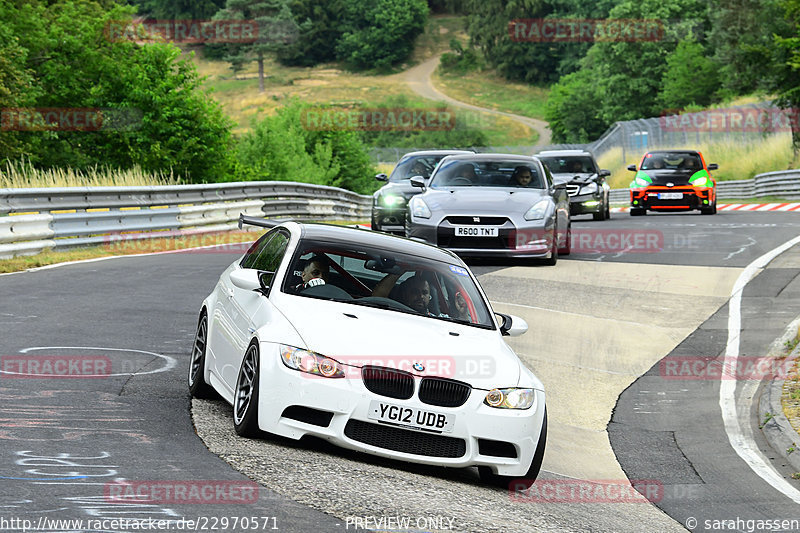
572	190
401	440
482	221
504	241
388	382
443	392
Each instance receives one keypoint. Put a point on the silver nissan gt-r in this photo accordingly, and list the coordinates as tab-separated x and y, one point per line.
492	205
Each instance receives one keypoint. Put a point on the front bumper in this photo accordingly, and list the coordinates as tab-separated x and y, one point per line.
389	219
344	404
692	198
586	204
531	240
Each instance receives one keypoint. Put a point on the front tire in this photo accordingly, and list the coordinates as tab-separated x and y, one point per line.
567	249
710	210
515	483
553	259
245	397
198	387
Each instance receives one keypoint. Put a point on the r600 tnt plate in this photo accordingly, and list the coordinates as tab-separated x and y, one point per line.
411	417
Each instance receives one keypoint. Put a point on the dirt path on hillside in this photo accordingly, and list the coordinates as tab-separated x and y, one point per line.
419	79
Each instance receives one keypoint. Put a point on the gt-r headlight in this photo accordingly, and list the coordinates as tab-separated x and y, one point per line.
310	362
419	208
392	200
538	211
589	188
509	398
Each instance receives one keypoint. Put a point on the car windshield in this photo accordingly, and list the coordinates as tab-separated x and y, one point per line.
493	173
569	164
359	275
417	165
671	161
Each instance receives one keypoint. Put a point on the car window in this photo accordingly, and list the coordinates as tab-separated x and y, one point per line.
671	161
495	173
415	166
371	277
267	252
570	164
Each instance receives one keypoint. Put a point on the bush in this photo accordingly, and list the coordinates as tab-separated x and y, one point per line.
280	148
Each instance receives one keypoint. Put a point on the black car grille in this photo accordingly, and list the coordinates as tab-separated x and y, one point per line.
470	221
503	241
388	382
401	440
573	190
443	392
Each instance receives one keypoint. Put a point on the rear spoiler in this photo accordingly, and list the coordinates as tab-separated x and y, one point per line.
253	221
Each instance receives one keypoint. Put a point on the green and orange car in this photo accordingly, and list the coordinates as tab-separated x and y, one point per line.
673	180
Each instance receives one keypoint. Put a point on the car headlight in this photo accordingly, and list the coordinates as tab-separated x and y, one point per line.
589	188
310	362
510	398
639	182
538	211
392	200
702	182
419	208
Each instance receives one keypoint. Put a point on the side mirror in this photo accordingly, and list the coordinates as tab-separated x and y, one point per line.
632	168
252	280
560	186
713	166
381	177
604	172
512	326
418	181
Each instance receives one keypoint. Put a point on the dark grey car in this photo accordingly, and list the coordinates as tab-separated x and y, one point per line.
587	186
478	205
390	201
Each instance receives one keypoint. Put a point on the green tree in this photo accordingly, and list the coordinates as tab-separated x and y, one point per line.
573	108
784	79
277	28
16	87
179	9
320	30
380	33
690	78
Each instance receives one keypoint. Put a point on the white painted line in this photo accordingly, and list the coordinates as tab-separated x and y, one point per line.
743	446
171	362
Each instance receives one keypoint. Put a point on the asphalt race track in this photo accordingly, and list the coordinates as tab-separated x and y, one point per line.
634	291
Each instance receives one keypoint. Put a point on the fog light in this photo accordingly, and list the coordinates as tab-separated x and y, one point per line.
636	202
705	201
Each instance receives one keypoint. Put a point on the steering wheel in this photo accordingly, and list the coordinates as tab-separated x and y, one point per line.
460	180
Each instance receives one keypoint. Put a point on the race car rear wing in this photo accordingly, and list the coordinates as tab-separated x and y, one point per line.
253	221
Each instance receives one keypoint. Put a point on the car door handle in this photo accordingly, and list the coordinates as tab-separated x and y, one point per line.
230	294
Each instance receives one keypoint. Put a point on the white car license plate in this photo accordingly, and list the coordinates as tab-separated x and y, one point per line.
411	417
670	196
476	231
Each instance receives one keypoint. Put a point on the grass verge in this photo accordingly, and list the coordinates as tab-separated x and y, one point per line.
22	174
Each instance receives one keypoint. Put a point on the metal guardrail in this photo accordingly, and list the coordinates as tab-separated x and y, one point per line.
44	218
783	184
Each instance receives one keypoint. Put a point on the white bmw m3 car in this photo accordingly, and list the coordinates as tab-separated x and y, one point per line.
373	342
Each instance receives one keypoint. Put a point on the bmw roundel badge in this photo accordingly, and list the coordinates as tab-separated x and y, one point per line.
419	367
